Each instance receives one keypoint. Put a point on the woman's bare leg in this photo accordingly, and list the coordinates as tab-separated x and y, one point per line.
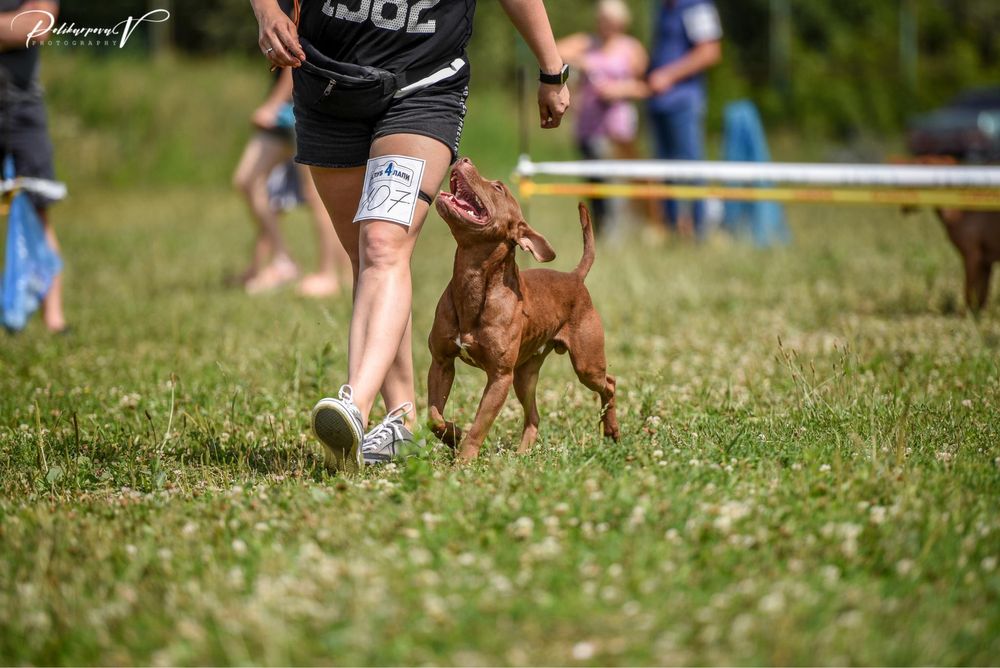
261	155
52	305
334	263
380	351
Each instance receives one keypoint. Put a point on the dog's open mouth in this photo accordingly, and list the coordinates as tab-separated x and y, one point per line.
464	201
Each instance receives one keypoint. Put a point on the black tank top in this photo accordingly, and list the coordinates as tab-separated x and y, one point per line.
396	35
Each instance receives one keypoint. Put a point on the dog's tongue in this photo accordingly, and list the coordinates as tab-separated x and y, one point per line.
461	192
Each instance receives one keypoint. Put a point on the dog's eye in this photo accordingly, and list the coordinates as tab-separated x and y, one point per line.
498	186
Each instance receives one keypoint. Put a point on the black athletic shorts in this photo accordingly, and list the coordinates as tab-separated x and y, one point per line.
25	127
437	111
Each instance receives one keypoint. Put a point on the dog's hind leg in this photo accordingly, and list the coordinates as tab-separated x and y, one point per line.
525	381
440	377
586	352
977	281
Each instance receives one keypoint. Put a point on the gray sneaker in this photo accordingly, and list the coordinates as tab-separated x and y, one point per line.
338	426
390	439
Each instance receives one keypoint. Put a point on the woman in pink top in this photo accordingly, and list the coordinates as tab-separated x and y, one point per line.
612	66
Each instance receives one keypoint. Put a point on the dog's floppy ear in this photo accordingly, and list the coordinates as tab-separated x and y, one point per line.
532	242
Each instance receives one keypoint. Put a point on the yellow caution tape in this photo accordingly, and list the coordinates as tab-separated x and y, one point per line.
961	198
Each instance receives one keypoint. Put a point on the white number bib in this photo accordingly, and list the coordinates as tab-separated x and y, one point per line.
392	183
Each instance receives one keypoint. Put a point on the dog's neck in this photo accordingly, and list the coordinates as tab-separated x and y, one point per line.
479	270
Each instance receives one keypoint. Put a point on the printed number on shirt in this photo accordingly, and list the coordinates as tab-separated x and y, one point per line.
387	14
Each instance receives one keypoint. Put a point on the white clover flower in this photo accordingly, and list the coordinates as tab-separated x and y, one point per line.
878	514
584	651
549	548
523	527
637	517
728	514
988	564
501	584
849	532
772	603
904	566
419	556
239	547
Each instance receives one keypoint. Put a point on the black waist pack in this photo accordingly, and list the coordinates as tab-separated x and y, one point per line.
348	91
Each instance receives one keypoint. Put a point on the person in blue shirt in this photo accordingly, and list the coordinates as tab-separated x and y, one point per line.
24	131
686	43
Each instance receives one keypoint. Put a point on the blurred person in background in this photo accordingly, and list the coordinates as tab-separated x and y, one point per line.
273	144
24	131
612	66
410	113
686	42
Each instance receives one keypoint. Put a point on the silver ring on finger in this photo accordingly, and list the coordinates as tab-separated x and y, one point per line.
269	50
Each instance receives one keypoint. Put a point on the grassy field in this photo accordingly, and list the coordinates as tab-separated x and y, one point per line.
809	473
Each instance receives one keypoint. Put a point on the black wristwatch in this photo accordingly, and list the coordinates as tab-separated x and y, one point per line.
555	79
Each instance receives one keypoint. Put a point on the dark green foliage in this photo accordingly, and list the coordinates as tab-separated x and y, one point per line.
842	73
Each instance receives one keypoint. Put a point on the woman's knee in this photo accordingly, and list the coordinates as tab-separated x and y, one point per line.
384	245
247	181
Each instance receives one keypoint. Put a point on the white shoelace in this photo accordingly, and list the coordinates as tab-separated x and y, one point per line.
391	422
346	393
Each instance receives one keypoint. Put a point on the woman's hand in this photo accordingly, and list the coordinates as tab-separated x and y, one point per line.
553	101
279	37
265	117
661	80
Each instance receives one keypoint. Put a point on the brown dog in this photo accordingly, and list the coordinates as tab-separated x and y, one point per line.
505	321
976	235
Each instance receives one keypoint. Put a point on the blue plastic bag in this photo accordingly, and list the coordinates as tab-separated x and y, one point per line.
745	141
30	264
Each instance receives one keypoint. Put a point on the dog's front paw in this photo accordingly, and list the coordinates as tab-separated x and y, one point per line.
448	433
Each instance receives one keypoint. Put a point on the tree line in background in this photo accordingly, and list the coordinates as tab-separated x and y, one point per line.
828	67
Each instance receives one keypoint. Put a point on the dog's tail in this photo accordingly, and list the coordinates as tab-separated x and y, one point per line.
587	261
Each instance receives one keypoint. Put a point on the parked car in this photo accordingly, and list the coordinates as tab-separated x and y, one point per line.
967	129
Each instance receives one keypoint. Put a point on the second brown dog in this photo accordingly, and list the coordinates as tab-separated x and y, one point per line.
976	235
506	321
